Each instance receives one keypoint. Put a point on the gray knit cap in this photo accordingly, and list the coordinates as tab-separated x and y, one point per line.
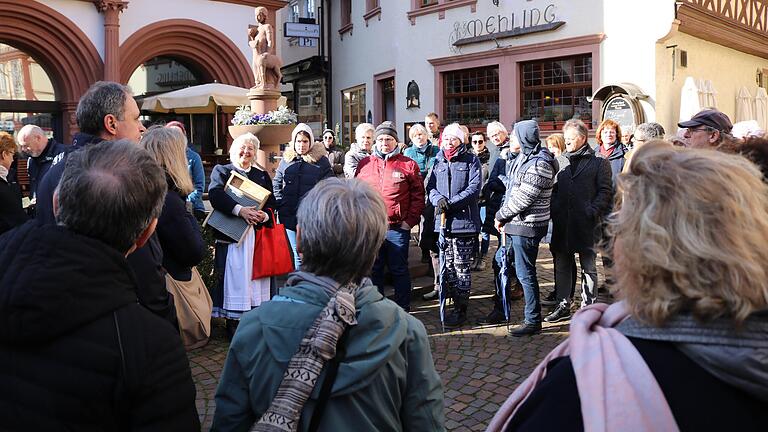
386	128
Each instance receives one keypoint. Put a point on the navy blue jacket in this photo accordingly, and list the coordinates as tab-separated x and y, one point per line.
296	175
179	236
38	166
459	182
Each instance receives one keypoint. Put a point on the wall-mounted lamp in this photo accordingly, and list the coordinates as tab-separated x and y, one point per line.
413	95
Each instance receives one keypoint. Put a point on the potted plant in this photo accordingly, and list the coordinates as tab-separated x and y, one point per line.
272	128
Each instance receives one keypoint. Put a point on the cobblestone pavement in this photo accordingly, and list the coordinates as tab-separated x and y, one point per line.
480	366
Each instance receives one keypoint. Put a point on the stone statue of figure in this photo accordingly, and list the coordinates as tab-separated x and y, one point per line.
266	65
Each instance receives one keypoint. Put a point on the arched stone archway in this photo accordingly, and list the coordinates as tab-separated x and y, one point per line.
212	53
59	46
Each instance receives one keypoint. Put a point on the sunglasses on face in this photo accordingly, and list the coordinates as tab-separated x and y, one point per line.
478	141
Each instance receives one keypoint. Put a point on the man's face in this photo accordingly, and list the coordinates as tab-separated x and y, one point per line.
129	127
573	140
625	137
385	143
365	140
431	124
32	144
514	144
700	137
497	136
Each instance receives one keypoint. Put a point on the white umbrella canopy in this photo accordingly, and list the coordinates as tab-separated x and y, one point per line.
761	108
744	110
709	94
200	99
692	98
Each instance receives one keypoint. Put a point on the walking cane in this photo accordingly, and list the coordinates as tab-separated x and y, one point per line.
441	290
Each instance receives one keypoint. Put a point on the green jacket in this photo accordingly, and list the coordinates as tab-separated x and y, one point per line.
386	382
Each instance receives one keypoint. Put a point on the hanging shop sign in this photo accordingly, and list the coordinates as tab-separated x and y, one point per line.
301	30
624	110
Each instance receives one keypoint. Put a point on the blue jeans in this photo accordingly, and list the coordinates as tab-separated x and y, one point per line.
394	254
292	241
526	250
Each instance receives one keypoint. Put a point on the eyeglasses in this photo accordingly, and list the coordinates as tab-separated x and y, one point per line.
703	129
478	141
328	137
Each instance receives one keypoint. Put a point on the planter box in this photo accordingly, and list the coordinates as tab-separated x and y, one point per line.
268	134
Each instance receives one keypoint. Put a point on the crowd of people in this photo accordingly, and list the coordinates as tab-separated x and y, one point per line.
100	292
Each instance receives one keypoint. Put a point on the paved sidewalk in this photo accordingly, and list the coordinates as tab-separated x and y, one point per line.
479	366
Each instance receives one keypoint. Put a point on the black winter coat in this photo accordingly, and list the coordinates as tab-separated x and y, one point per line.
37	167
580	200
698	400
146	262
296	175
11	212
77	351
179	236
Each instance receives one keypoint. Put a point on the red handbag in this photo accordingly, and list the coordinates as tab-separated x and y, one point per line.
272	253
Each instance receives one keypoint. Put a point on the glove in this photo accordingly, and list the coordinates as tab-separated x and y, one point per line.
442	206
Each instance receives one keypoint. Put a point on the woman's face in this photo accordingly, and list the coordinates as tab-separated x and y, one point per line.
452	143
365	140
328	140
478	143
419	138
243	154
302	144
6	159
553	149
608	135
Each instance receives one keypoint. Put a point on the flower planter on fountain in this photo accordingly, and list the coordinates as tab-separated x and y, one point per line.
272	129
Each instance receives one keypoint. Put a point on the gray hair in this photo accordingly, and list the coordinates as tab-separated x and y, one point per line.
103	98
418	127
577	125
342	225
649	131
111	192
30	130
247	138
363	128
495	125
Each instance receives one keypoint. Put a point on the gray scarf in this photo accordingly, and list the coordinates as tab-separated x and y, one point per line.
737	357
317	347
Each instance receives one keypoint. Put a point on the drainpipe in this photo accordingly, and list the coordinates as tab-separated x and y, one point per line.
327	38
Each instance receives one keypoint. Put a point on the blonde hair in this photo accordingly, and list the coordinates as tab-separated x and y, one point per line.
689	235
556	140
7	143
168	146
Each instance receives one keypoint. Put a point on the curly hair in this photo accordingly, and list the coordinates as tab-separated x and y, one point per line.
607	123
690	235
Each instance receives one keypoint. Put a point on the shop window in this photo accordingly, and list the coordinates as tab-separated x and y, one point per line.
346	17
311	104
352	112
555	90
471	96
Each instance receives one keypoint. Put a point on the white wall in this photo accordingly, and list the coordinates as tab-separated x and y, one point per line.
85	16
628	52
393	43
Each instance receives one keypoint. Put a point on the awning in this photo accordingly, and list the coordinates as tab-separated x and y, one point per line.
629	89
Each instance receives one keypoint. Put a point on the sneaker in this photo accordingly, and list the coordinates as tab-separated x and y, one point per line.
561	313
549	300
455	318
430	295
525	329
494	318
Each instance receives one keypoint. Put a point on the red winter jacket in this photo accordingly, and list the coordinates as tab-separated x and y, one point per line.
399	182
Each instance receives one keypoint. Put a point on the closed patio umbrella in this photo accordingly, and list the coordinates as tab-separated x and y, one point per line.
709	93
692	98
761	108
744	110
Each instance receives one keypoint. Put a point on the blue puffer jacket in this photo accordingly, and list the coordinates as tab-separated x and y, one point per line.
295	176
459	182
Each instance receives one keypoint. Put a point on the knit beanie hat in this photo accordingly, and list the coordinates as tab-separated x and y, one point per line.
386	128
453	131
299	128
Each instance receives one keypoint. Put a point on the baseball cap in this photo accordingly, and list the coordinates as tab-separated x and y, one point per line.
711	118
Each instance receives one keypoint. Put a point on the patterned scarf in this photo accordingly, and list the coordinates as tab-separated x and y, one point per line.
316	348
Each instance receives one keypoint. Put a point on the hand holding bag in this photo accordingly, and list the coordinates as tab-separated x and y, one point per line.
272	251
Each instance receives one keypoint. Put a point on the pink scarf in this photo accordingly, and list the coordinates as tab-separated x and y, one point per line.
622	392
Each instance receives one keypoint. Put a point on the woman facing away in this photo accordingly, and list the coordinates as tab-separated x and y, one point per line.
329	316
686	347
236	292
177	228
